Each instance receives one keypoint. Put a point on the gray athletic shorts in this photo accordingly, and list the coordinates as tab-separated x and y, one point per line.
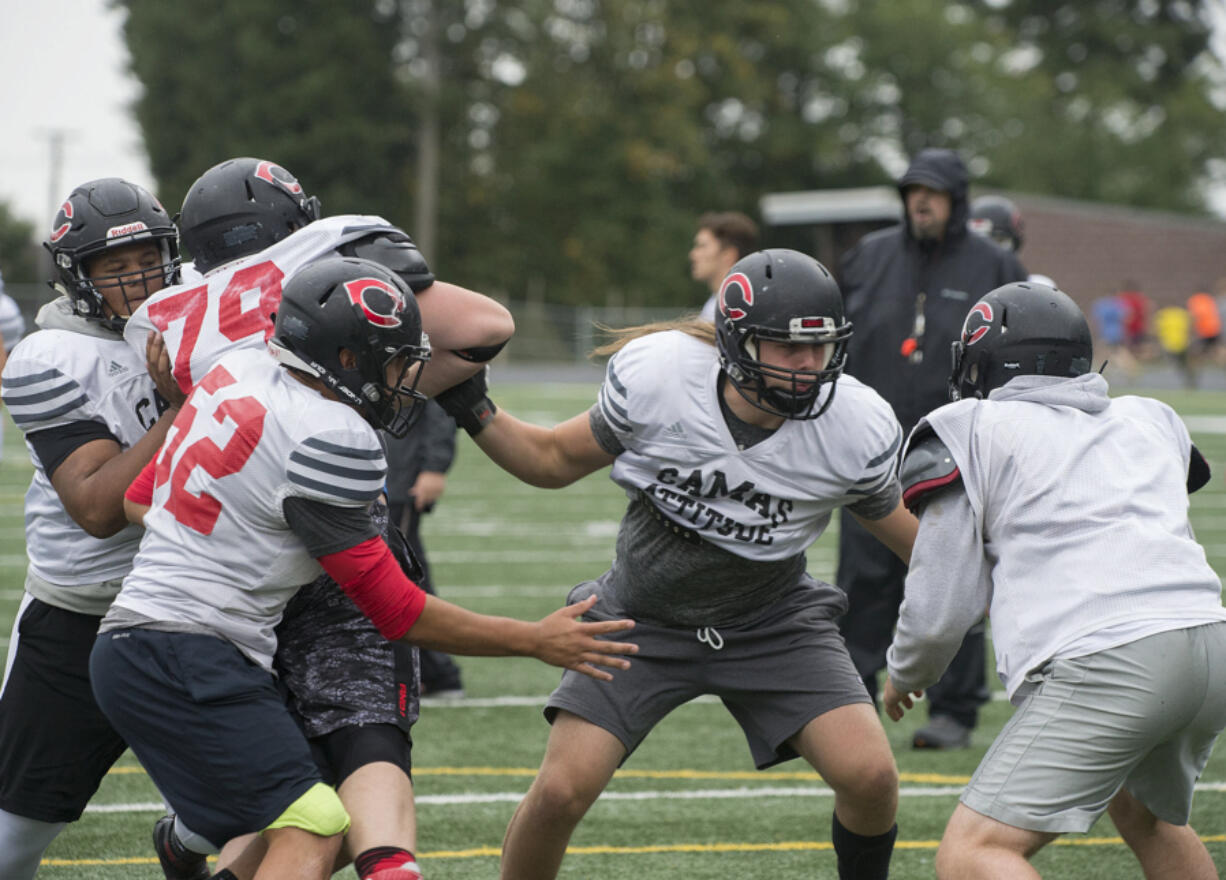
1143	715
775	675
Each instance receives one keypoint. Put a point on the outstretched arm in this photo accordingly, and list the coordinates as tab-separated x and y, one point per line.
559	639
948	587
369	574
547	457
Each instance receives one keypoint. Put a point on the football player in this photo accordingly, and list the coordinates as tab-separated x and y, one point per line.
267	475
250	226
244	207
1065	512
92	418
733	467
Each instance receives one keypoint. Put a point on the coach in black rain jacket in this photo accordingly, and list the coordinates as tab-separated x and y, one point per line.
907	290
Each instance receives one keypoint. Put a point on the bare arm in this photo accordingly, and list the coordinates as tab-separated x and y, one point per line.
896	530
559	639
547	457
456	318
92	480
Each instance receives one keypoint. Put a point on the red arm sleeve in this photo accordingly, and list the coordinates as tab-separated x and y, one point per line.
141	490
370	576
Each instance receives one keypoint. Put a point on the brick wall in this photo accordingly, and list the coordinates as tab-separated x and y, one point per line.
1091	249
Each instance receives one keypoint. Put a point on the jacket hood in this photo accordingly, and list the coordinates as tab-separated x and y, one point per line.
60	314
944	170
1087	392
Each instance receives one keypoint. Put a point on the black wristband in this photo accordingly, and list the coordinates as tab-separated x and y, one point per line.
468	403
475	419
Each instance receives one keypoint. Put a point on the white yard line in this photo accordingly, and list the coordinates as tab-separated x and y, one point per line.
744	793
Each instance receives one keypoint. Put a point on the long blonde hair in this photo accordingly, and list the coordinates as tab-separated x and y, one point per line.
691	325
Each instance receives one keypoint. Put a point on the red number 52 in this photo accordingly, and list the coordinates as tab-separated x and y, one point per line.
200	512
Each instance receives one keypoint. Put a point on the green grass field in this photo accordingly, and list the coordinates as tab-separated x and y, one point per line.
688	804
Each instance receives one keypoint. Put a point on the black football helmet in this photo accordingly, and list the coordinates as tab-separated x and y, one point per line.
239	208
783	296
99	216
999	219
1020	329
345	303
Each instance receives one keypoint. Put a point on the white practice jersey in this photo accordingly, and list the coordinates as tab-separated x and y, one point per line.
232	307
1077	532
767	502
218	554
55	377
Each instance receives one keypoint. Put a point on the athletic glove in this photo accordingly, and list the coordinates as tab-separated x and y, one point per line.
468	404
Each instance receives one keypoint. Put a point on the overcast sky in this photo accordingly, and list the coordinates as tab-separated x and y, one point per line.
63	72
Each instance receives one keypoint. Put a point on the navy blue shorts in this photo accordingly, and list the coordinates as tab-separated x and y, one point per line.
209	726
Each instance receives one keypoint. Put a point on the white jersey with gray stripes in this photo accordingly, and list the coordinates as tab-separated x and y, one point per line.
53	378
218	554
770	501
231	307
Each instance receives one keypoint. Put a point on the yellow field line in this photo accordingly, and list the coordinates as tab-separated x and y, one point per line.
781	846
767	776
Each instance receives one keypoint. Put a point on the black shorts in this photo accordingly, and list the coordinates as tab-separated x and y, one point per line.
774	675
208	724
55	744
339	753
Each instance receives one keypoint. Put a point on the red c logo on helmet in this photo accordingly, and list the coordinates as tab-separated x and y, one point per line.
738	281
278	176
58	232
379	301
980	315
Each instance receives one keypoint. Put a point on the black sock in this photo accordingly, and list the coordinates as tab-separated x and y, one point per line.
224	874
862	858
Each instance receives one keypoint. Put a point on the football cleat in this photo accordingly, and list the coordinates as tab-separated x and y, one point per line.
178	862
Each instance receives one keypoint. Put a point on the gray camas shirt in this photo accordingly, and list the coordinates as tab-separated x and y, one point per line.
662	577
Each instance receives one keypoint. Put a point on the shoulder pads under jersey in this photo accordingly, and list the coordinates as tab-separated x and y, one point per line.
928	467
395	251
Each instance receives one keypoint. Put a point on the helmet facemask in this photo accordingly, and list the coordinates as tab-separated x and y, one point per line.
86	291
393	405
800	394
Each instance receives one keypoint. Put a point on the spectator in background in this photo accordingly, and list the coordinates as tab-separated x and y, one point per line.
12	324
1137	308
1205	347
1108	313
417	466
1172	327
907	289
999	219
722	239
12	327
